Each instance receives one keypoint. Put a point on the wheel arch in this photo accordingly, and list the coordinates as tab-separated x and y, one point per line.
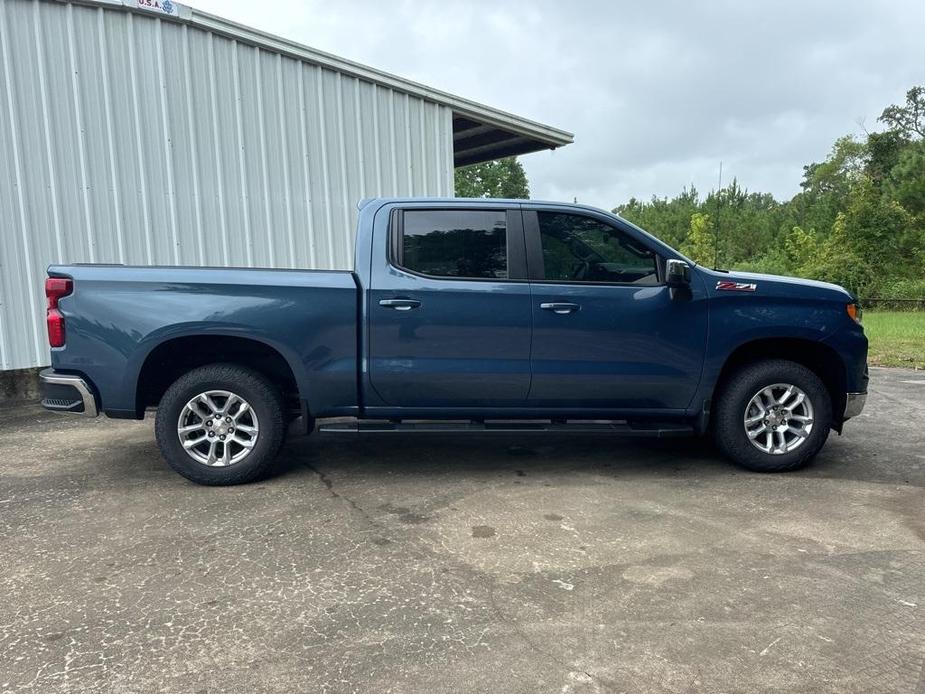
170	358
817	356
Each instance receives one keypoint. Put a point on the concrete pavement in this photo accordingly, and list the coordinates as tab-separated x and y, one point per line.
490	563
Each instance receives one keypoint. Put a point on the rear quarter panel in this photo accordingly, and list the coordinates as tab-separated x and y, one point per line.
117	315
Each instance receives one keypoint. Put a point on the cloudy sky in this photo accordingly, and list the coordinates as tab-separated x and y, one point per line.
657	93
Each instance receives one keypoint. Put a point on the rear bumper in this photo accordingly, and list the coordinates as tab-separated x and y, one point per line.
67	393
854	404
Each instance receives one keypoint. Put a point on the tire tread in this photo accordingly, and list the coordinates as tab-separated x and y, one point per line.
733	397
261	393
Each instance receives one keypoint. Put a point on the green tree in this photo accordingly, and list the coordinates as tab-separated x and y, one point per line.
859	219
872	240
909	119
838	262
906	182
884	151
742	221
700	244
667	219
502	178
845	164
801	249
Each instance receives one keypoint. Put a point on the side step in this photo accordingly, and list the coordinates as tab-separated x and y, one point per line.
506	426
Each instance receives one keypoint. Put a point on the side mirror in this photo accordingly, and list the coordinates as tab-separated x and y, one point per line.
677	274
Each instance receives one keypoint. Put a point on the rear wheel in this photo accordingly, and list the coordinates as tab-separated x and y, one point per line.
220	424
772	416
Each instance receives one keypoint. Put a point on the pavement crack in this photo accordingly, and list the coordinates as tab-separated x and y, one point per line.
329	485
325	480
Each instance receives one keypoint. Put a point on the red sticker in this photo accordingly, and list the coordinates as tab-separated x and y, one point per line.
727	286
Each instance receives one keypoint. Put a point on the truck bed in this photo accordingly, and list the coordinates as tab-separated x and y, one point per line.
118	315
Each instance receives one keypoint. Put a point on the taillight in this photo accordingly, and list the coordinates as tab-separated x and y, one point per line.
55	288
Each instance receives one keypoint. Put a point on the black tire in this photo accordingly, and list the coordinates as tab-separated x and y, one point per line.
250	385
733	398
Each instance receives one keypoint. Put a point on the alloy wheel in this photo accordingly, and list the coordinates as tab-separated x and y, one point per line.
218	428
778	418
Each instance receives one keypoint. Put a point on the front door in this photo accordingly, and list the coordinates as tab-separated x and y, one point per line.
449	313
608	334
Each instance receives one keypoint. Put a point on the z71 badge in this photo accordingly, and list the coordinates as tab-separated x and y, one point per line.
727	286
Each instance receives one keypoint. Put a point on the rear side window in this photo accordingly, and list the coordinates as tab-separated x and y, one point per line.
582	249
454	243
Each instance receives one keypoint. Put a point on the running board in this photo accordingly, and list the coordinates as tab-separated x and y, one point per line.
507	426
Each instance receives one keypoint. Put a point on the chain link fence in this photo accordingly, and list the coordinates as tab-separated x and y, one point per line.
886	304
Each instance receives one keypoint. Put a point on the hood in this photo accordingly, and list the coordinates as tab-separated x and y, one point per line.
779	285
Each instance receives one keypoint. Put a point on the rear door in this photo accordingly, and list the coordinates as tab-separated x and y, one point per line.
608	333
449	311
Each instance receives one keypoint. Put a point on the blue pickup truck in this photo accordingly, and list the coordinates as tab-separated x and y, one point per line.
459	315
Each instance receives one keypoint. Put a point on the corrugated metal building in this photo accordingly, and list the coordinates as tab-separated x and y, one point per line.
145	132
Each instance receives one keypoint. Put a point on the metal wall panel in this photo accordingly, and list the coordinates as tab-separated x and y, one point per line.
132	139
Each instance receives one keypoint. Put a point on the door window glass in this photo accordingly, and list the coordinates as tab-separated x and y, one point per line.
455	243
582	249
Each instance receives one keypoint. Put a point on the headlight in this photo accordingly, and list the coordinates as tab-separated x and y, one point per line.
855	312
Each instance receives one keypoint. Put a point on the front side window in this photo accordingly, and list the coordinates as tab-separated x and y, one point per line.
582	249
455	243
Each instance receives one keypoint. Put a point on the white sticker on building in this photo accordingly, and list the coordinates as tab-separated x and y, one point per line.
159	6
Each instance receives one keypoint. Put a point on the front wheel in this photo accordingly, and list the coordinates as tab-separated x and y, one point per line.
220	424
772	416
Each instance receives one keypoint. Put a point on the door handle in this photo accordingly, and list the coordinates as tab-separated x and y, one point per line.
400	304
560	307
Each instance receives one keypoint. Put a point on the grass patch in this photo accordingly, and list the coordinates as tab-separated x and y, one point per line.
896	338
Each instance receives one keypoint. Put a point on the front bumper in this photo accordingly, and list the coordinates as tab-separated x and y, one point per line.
67	393
854	404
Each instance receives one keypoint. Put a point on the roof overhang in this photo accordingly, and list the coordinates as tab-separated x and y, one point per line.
480	132
477	139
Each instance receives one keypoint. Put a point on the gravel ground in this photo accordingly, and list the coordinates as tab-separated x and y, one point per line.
493	563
